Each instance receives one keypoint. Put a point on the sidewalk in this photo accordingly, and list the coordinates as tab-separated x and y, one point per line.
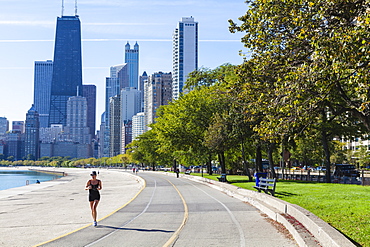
37	213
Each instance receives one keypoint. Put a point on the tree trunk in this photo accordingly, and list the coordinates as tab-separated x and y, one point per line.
245	165
259	167
209	165
174	165
325	145
271	159
221	159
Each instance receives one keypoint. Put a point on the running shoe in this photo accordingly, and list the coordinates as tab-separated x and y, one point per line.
95	223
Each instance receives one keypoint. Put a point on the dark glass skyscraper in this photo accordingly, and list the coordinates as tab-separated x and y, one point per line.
89	92
67	68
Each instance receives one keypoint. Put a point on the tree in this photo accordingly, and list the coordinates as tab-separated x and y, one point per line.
145	149
217	138
181	125
307	57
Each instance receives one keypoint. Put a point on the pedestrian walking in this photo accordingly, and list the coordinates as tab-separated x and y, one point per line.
94	185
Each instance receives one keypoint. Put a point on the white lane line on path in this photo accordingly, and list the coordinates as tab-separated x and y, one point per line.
129	221
241	233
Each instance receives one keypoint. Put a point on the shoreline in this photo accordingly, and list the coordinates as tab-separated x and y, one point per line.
58	173
30	168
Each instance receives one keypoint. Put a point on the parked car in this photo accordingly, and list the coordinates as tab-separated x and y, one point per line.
347	170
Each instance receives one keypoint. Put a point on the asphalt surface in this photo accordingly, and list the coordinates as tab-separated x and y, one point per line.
172	211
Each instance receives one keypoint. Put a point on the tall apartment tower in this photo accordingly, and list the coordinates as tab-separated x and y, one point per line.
115	126
42	90
138	125
4	127
126	135
32	134
142	79
67	68
185	53
117	80
77	129
132	60
158	91
103	149
89	92
130	103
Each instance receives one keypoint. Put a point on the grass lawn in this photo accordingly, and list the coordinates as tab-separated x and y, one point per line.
345	207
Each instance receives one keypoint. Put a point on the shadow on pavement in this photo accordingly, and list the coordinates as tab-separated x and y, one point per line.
133	229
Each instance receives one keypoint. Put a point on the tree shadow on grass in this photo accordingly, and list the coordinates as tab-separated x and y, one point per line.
282	194
299	181
238	181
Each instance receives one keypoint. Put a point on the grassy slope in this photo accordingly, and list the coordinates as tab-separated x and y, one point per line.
345	207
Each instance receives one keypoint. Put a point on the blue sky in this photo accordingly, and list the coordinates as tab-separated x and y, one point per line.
27	30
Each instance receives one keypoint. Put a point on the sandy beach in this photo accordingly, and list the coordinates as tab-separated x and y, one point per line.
36	213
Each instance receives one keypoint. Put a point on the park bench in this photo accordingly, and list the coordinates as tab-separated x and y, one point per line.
222	178
267	185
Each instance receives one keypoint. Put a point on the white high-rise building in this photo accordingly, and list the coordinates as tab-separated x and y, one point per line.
76	128
130	103
138	125
185	53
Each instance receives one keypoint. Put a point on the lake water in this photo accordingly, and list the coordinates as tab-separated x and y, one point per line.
17	178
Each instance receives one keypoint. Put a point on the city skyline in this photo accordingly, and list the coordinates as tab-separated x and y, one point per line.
106	27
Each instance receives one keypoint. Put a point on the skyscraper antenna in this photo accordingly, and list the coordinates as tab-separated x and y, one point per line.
62	7
76	8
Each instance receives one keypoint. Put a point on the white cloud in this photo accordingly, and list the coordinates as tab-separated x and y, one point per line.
24	40
123	24
52	23
28	23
